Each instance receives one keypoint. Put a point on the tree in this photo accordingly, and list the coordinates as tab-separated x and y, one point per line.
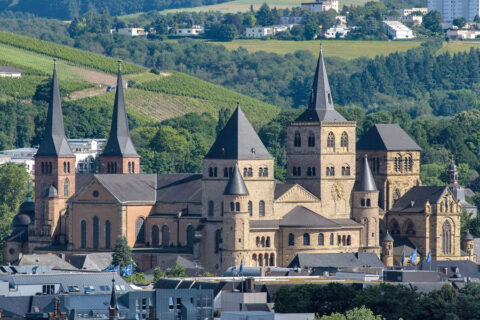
161	25
226	32
158	274
459	22
176	272
265	16
354	314
432	21
311	30
13	190
249	20
122	254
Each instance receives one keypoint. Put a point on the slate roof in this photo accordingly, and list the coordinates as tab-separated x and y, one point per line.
390	137
415	199
387	237
185	187
468	236
54	142
303	217
130	187
119	142
236	186
320	105
336	260
238	140
9	69
45	259
366	182
96	261
282	188
17	307
402	244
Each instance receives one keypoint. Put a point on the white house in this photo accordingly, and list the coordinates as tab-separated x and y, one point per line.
260	32
134	32
21	156
398	31
463	34
187	32
9	72
332	33
320	5
407	12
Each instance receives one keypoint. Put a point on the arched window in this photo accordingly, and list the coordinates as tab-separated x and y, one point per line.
232	207
96	231
140	230
265	172
50	167
306	239
64	167
261	208
43	167
257	241
260	172
254	258
362	202
260	260
311	139
314	173
225	172
211	208
262	242
250	208
405	164
410	164
83	234
409	228
331	142
344	142
346	171
133	167
344	240
369	202
267	242
272	259
309	171
108	234
294	171
394	228
155	236
331	239
165	236
250	172
115	167
218	240
109	170
291	239
297	141
190	235
446	238
129	167
245	172
237	206
320	239
66	187
349	241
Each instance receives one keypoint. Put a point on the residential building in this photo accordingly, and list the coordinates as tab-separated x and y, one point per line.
290	20
134	32
260	32
320	5
188	32
463	34
451	9
335	199
9	72
398	31
86	151
21	156
416	20
407	12
337	31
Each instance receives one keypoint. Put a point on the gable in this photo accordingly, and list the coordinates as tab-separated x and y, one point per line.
297	193
86	193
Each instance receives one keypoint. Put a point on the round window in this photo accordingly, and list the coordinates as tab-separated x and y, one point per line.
95	193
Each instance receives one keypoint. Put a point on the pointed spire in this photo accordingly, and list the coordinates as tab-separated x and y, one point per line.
236	186
366	183
320	105
54	142
238	140
468	236
119	142
113	297
387	237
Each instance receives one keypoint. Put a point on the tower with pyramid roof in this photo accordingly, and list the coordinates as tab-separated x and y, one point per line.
321	149
119	155
365	209
54	171
237	158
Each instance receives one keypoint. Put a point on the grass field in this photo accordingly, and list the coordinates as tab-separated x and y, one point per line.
331	48
457	46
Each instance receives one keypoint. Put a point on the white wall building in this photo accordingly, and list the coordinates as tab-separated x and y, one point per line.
187	32
134	32
463	34
9	72
407	12
320	5
260	32
398	31
332	33
451	9
85	151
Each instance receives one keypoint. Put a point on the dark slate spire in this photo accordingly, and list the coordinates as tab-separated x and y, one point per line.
113	307
119	142
54	143
236	186
468	236
387	237
366	183
320	105
238	140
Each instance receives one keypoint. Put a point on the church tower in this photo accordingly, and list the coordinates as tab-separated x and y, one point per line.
119	155
236	225
237	152
365	209
54	170
321	149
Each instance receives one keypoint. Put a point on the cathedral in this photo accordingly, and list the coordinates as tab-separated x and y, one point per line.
340	195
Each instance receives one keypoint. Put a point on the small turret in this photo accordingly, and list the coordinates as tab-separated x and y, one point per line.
467	244
452	173
387	250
